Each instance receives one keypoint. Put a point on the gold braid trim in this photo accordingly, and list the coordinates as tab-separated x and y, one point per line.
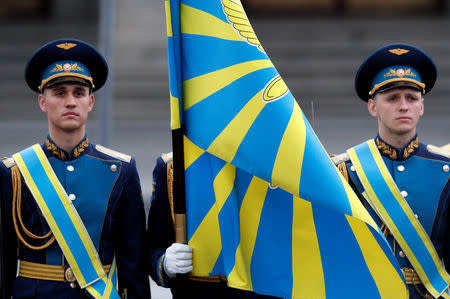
170	190
343	169
386	149
55	150
80	148
16	213
386	233
410	148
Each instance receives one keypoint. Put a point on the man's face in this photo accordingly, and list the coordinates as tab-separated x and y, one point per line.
398	110
67	106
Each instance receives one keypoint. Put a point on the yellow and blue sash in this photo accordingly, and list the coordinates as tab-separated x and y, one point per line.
384	196
66	224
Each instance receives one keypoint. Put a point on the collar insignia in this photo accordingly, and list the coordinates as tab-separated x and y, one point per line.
62	154
398	51
395	154
66	46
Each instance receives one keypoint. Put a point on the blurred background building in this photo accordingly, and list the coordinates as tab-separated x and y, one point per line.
316	45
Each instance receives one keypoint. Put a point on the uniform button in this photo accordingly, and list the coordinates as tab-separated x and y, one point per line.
352	168
445	168
400	168
417	216
70	168
113	167
404	193
401	253
72	197
73	285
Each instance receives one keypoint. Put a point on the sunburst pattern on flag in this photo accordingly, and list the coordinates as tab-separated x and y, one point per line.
265	205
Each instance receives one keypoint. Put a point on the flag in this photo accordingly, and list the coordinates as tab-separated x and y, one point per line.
265	206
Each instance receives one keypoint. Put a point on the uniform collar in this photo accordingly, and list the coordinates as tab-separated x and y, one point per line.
393	153
58	152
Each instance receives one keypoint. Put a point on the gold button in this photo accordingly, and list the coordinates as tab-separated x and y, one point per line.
417	216
400	168
445	168
73	285
401	254
404	193
72	197
114	167
70	168
69	276
352	168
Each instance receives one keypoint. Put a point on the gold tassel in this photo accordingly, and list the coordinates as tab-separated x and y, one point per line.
16	213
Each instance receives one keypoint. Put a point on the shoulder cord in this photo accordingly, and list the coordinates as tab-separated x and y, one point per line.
16	213
170	190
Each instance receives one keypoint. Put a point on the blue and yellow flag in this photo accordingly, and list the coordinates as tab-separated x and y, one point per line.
265	206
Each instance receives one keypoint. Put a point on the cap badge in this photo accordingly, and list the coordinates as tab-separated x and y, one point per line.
398	51
67	67
66	46
399	73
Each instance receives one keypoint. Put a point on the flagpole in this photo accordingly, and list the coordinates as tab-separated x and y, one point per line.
179	199
176	119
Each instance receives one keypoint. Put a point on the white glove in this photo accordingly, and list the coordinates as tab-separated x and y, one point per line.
178	259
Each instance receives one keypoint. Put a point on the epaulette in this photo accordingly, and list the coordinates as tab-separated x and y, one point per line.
167	157
9	162
437	150
446	147
113	153
337	159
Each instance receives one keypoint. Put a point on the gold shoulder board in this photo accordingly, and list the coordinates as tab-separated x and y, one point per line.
113	153
9	162
340	158
446	147
437	150
167	157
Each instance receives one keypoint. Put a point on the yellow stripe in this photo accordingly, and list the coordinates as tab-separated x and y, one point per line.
110	284
191	152
377	262
175	122
358	209
227	143
308	279
73	214
206	240
410	214
288	163
40	200
382	213
223	184
199	88
168	19
94	292
249	216
195	21
206	243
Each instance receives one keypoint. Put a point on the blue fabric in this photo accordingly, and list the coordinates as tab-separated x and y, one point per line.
111	206
428	189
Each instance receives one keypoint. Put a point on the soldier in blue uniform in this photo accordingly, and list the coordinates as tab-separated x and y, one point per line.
73	217
168	259
395	167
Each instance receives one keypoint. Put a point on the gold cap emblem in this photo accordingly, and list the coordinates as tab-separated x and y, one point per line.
66	46
398	51
67	67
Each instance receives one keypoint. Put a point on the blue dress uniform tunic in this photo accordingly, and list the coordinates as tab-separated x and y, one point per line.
105	190
422	175
161	235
